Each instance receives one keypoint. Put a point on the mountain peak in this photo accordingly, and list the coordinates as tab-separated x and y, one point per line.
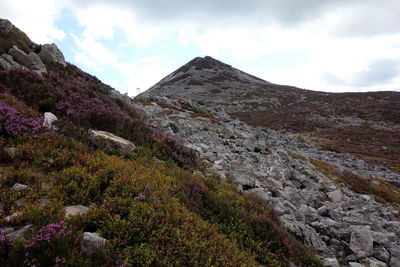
203	78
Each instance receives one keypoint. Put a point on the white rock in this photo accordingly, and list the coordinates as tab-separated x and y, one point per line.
126	145
75	210
18	187
90	241
49	119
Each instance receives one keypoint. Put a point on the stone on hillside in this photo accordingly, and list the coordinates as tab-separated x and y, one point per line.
356	264
361	242
336	196
32	61
125	145
50	53
5	26
91	241
25	231
75	210
7	62
49	119
13	216
381	254
331	262
19	187
371	262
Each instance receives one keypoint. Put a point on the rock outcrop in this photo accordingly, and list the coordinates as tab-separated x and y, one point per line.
50	53
126	146
339	223
5	26
32	61
7	62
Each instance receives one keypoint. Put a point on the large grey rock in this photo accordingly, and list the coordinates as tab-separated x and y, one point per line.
336	196
125	145
361	242
5	26
50	53
32	61
7	62
90	241
25	231
49	119
75	210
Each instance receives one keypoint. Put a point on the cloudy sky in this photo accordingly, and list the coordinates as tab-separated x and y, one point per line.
326	45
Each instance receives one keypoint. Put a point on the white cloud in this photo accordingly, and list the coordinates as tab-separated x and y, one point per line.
340	39
36	18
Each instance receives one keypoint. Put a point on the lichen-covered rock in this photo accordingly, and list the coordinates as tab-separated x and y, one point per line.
90	241
32	61
50	53
126	146
75	210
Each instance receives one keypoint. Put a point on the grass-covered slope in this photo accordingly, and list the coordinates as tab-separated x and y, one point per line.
151	213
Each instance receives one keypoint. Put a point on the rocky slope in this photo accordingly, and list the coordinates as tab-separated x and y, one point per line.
363	124
86	181
344	207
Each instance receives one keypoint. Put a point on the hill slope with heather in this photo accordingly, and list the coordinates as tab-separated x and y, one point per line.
366	125
345	207
85	180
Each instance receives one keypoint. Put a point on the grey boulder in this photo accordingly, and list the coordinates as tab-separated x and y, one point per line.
51	54
32	61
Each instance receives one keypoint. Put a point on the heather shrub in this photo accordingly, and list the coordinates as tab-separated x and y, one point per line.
12	123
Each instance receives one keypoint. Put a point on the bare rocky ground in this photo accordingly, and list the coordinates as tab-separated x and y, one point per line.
343	226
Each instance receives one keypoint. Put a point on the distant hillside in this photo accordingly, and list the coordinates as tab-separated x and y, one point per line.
366	125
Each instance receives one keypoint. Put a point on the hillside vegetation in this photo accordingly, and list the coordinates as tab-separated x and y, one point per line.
150	205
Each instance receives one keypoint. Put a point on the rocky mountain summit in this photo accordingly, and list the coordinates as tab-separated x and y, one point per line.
344	207
363	124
